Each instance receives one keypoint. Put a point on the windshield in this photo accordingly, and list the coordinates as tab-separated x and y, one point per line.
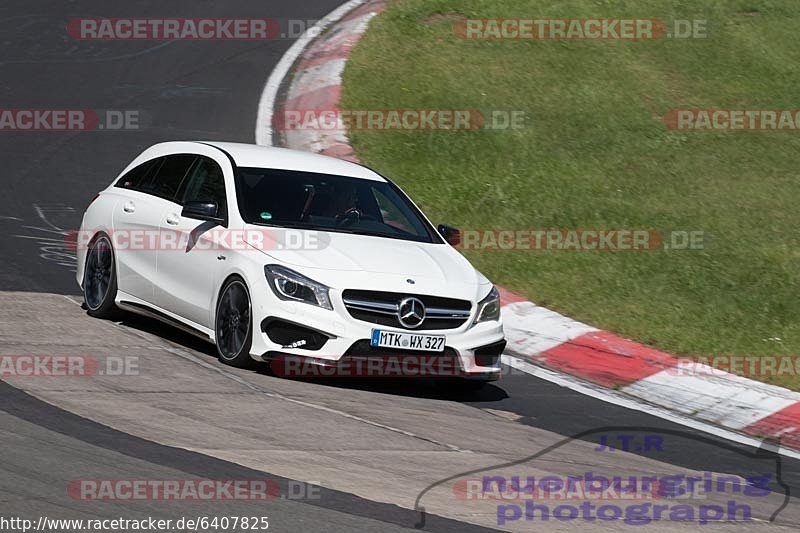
329	203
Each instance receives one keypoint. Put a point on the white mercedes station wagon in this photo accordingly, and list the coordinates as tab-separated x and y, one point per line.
277	255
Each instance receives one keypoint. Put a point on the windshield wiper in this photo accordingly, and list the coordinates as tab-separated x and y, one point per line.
399	236
297	225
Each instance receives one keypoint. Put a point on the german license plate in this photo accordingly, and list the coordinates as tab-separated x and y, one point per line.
407	341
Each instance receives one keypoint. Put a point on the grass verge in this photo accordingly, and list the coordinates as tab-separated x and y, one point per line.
598	155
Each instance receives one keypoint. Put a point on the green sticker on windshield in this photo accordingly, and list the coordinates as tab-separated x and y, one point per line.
265	215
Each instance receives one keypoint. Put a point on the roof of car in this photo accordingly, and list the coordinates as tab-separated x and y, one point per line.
252	155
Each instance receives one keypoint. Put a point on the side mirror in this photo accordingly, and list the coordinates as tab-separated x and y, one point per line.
202	210
451	235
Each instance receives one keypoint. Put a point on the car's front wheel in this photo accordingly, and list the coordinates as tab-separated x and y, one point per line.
233	324
100	279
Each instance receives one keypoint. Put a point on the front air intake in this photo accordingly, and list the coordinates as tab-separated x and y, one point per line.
289	335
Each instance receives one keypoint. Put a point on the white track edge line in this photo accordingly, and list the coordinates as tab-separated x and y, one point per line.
266	105
616	398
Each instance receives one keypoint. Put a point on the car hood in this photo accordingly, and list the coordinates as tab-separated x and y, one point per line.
340	260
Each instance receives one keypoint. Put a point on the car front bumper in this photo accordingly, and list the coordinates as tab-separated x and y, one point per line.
333	343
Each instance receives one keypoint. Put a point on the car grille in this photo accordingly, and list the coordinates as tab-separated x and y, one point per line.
381	308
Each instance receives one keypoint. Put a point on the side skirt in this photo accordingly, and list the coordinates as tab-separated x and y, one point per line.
140	307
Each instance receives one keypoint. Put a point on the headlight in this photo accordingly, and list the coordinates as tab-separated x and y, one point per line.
489	307
292	286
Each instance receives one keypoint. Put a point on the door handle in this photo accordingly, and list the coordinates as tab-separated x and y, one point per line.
173	220
129	207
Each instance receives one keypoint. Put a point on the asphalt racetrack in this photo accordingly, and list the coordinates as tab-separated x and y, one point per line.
345	454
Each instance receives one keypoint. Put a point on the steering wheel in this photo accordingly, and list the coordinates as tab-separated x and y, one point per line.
351	215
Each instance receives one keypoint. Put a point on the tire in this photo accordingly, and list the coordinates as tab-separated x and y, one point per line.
100	279
233	324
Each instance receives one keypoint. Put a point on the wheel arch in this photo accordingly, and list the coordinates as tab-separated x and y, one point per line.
235	274
82	254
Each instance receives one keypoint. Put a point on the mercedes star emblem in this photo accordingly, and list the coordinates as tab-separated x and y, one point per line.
411	312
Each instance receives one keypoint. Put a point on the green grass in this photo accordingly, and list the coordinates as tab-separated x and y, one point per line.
599	156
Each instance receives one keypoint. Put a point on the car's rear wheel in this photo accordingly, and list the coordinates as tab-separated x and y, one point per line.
100	279
234	324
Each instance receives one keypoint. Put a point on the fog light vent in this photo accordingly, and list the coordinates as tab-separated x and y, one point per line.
289	335
489	355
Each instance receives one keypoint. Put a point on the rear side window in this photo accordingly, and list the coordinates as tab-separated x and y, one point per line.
167	180
141	174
